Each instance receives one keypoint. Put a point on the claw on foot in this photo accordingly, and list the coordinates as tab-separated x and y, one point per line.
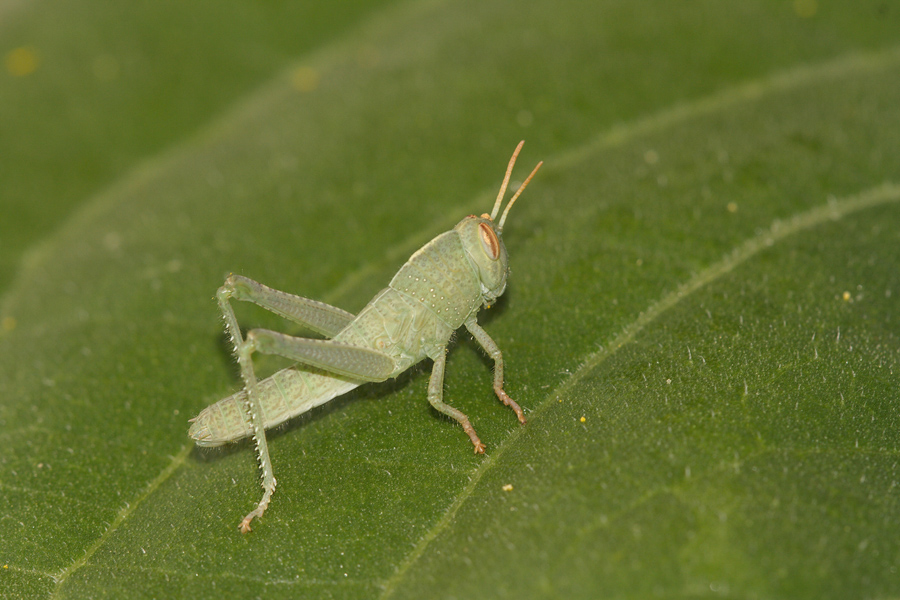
245	524
470	431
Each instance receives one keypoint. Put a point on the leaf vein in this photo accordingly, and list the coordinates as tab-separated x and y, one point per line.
124	513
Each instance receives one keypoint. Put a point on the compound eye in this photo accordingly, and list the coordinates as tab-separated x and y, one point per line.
489	241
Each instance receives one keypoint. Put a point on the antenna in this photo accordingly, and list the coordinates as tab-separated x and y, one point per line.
518	192
512	161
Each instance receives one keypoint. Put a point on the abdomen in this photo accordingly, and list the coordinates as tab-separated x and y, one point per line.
287	393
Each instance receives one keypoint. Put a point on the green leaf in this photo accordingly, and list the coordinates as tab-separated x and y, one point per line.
701	320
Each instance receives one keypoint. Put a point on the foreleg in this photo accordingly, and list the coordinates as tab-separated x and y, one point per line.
482	337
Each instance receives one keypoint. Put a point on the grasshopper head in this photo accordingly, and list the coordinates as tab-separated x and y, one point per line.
484	246
482	240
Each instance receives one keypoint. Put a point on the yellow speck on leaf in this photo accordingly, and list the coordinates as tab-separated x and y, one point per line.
305	79
806	9
508	487
22	61
846	296
583	419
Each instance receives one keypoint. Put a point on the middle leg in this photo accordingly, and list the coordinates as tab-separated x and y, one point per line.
436	398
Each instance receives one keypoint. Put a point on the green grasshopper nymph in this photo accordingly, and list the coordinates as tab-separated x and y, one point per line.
441	287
